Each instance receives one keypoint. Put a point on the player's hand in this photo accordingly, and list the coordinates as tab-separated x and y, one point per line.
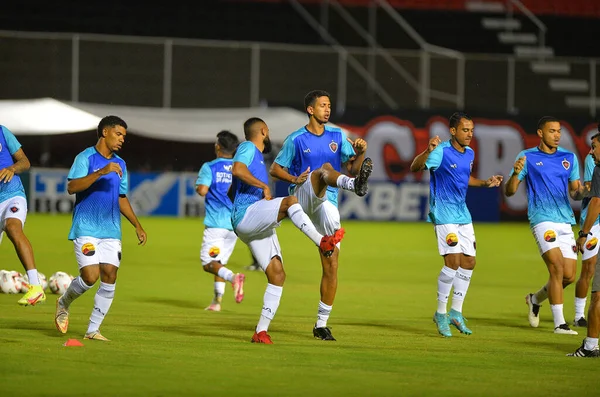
433	143
267	193
494	181
581	243
519	165
141	235
111	167
6	175
360	146
300	179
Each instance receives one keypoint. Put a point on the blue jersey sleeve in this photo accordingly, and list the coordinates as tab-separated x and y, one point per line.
80	167
347	149
574	170
588	173
124	185
435	158
11	141
245	153
523	172
286	155
204	176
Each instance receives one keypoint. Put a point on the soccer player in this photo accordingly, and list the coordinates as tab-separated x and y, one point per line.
590	251
13	211
450	164
314	157
256	214
98	178
552	174
218	241
589	347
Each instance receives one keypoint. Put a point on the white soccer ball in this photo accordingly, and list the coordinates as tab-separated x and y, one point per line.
41	278
11	282
59	282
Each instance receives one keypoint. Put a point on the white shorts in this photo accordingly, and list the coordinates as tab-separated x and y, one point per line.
94	251
321	211
456	239
591	244
217	245
15	207
257	230
550	235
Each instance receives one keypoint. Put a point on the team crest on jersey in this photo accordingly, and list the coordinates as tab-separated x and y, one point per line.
591	244
550	236
14	209
566	164
333	146
451	239
213	252
88	249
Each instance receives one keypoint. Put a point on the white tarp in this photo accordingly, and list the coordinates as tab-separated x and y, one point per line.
49	116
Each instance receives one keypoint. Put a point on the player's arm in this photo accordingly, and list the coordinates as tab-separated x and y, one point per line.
241	171
360	148
204	180
21	164
77	185
514	181
202	190
493	181
577	191
128	213
418	163
593	210
277	171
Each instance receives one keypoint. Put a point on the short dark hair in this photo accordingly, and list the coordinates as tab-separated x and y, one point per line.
311	97
110	121
248	124
596	137
546	119
456	117
227	141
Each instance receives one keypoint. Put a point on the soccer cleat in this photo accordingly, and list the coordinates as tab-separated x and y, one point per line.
564	330
360	182
262	337
534	311
61	318
238	287
323	333
456	318
582	352
33	296
328	243
582	322
443	325
214	307
95	335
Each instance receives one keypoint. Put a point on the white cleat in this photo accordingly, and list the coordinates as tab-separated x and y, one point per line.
534	311
564	329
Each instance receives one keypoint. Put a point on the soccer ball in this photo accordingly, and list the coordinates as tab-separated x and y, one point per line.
41	278
59	282
11	282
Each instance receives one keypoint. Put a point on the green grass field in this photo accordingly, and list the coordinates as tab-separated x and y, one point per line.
165	344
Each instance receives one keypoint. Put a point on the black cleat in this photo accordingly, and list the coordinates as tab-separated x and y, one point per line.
582	352
361	187
323	333
582	322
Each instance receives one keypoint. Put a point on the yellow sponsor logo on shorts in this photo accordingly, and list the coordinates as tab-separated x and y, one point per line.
591	244
550	236
451	239
213	252
88	249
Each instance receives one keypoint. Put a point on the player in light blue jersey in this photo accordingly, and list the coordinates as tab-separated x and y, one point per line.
589	254
256	214
218	241
312	160
551	174
98	178
13	211
450	165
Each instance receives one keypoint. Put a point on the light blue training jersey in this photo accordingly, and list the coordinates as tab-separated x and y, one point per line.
97	212
245	195
303	149
9	145
547	176
588	172
216	175
450	173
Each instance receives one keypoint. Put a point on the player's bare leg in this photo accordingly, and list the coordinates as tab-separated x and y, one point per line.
589	347
326	175
219	291
236	279
560	270
581	290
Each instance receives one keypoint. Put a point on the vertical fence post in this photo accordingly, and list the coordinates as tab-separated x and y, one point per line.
460	83
510	86
255	75
593	104
341	83
424	69
168	73
75	68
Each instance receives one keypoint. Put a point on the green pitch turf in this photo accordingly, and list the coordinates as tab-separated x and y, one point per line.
165	344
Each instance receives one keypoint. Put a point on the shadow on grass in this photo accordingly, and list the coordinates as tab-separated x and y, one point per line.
180	303
204	332
47	330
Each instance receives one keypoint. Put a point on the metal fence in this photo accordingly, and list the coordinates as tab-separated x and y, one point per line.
163	72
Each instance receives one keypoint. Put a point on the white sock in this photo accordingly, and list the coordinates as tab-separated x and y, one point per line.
75	290
225	273
323	315
219	290
270	305
32	275
303	222
540	296
579	308
102	301
345	182
445	280
557	313
590	343
461	282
